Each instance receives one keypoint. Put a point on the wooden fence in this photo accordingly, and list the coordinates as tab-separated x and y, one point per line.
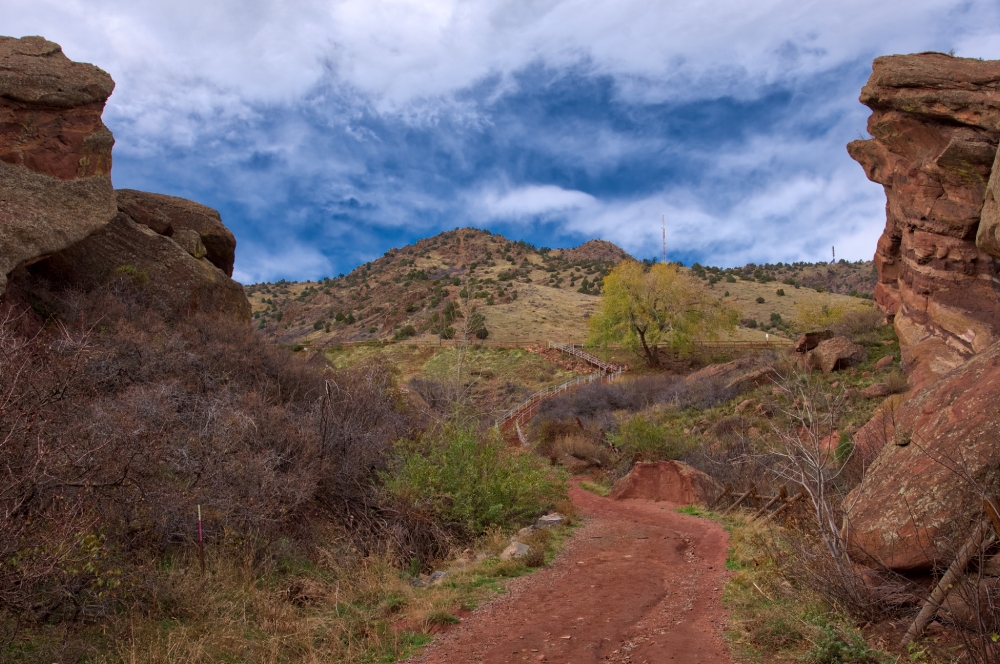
769	507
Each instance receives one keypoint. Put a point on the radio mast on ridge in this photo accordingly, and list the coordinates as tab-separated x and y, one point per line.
664	238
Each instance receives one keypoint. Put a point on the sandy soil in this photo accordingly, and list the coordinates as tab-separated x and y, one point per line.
638	583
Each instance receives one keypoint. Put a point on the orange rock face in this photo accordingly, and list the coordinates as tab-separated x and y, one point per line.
55	153
935	125
937	452
672	481
50	111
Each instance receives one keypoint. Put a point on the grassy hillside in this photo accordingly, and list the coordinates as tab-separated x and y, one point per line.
522	293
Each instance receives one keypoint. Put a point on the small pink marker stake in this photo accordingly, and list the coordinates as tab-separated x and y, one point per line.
201	544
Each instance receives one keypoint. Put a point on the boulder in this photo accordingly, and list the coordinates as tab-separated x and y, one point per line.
876	391
738	375
935	125
55	152
672	481
514	551
885	362
936	452
550	521
185	221
175	282
810	340
833	355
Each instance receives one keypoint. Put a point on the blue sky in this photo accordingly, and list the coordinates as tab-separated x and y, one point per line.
327	132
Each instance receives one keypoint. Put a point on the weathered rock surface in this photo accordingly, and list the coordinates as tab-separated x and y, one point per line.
884	362
178	218
833	355
935	125
55	153
875	391
934	450
176	283
739	375
550	520
672	481
810	340
514	551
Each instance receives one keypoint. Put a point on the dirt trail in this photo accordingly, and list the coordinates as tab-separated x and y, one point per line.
638	583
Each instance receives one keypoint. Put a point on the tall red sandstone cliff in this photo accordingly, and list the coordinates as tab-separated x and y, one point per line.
55	152
62	225
935	125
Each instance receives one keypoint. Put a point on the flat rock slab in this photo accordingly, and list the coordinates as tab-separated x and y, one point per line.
638	583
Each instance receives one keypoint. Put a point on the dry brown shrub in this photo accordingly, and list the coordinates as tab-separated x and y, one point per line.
115	425
583	447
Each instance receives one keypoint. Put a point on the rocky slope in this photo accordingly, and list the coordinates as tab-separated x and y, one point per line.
935	124
63	226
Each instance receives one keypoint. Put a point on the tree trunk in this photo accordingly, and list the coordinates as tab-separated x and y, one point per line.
652	356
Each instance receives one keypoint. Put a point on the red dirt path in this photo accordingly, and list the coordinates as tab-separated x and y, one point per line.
638	583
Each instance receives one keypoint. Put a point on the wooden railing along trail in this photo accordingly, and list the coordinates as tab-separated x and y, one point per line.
519	414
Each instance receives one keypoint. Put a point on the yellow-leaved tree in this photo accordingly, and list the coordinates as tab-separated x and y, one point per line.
644	306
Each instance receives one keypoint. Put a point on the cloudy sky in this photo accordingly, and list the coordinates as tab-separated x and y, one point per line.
328	131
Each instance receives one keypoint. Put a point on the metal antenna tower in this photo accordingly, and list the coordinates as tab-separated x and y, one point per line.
664	238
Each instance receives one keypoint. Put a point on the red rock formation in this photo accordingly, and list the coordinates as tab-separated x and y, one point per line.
55	153
937	452
833	354
672	481
935	125
175	282
59	218
167	215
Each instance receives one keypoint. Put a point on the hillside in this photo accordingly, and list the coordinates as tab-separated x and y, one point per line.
459	281
436	286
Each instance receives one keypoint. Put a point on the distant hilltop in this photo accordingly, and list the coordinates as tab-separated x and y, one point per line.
519	291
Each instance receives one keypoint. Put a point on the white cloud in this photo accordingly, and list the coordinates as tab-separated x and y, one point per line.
259	261
529	202
188	59
193	72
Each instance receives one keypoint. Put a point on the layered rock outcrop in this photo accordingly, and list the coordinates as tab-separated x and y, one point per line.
61	222
174	279
178	218
55	152
935	125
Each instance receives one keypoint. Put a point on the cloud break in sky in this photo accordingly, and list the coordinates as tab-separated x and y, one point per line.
327	132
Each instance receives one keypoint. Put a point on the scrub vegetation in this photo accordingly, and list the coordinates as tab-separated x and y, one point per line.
318	489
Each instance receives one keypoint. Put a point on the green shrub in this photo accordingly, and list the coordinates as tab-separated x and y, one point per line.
472	481
405	332
760	300
832	647
639	438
